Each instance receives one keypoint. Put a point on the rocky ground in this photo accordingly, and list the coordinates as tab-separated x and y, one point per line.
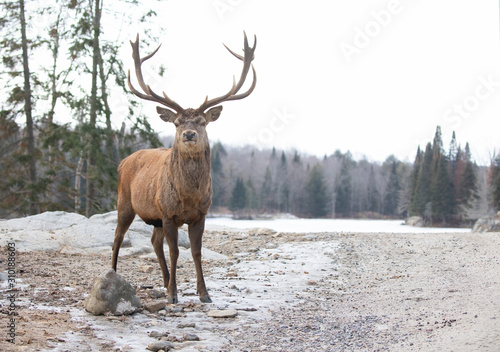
291	292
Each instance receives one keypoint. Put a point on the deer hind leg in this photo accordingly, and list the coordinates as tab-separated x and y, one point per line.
171	234
195	238
125	218
157	240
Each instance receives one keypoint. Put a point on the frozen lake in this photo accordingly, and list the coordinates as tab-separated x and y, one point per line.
328	225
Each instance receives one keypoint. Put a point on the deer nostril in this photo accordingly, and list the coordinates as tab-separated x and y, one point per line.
189	136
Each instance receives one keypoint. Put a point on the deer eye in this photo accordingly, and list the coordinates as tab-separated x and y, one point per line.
177	122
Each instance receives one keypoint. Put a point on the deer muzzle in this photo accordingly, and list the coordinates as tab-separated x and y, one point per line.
189	136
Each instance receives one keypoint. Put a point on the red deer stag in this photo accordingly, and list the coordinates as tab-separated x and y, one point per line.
171	187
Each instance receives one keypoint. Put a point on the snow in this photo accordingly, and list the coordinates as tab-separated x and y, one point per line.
73	233
327	225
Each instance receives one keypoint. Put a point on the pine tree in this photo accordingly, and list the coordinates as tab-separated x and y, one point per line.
414	177
265	192
343	198
468	187
238	197
391	198
373	194
218	176
495	183
421	194
441	191
317	200
251	195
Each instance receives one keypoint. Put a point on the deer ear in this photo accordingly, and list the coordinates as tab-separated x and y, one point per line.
213	114
166	114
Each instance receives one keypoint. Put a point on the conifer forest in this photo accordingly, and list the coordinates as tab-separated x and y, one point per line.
47	165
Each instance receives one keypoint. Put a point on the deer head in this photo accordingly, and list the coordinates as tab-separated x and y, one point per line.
191	135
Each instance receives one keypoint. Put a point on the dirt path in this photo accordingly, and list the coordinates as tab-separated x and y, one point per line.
293	292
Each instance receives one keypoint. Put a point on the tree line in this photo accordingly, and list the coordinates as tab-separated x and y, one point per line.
441	187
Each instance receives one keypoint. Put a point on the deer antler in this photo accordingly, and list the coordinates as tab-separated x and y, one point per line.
150	95
247	62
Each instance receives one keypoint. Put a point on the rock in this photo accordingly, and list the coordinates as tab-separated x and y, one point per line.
155	306
160	345
145	268
4	277
191	337
111	294
186	325
184	240
415	221
158	334
223	313
156	293
487	224
261	231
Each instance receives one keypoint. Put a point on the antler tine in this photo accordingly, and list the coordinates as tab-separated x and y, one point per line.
150	95
247	63
249	91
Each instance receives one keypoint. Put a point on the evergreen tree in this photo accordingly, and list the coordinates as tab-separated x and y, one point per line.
218	176
343	198
372	192
495	183
391	198
421	194
467	191
441	191
414	177
453	156
317	200
238	197
251	195
282	184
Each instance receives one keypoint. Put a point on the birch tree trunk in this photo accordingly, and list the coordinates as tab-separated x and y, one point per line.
78	182
93	141
33	207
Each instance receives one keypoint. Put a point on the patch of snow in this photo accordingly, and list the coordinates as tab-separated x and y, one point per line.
74	233
277	277
326	225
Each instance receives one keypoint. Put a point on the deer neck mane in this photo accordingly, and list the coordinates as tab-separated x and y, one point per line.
191	172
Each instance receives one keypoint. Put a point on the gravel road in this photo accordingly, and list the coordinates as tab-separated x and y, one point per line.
293	292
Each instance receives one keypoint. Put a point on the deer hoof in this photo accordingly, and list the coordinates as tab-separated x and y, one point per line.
205	299
173	300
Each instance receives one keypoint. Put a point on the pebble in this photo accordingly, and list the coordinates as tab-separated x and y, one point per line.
154	306
156	293
155	333
160	345
145	268
223	313
186	325
191	337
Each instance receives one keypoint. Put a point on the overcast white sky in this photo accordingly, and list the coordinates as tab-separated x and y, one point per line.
371	76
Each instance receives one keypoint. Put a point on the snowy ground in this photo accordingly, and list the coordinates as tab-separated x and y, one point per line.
303	291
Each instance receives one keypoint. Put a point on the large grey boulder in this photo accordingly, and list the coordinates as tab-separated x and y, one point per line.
111	294
184	240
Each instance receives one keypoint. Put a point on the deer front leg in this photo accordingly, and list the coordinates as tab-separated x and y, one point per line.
195	238
157	240
171	234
